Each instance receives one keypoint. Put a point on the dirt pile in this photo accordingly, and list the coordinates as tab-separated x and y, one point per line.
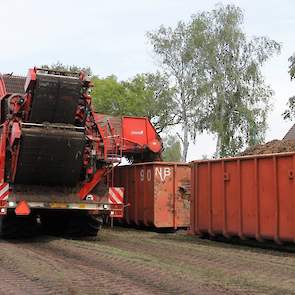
271	147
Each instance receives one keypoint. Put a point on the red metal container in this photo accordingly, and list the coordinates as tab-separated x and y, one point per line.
252	196
158	194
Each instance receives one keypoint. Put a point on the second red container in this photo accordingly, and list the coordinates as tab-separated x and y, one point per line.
247	197
157	194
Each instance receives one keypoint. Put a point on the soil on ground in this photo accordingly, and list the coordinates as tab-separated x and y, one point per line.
130	261
274	146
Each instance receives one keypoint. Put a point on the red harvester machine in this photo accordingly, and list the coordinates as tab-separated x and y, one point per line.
55	154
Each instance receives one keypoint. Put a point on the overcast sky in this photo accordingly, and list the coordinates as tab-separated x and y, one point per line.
109	36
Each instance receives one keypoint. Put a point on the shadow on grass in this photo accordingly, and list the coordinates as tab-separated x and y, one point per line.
233	243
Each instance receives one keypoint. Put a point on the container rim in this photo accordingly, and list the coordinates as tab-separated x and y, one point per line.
158	163
247	157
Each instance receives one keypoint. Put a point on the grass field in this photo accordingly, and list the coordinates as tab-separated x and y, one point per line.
129	261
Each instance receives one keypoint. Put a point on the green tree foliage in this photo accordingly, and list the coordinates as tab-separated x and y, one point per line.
289	113
145	95
236	96
292	66
216	71
172	46
172	149
109	96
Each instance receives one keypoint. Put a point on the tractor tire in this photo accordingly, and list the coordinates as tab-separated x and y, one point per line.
13	227
72	225
53	225
83	226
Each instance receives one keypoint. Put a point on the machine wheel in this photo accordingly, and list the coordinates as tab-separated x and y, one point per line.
53	225
12	226
83	226
71	224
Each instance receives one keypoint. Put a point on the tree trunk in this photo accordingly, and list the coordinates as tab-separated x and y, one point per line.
185	139
185	142
218	147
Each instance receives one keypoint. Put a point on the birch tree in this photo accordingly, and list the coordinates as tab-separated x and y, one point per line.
216	71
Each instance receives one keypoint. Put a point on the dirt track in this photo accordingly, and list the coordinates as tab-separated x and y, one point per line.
124	261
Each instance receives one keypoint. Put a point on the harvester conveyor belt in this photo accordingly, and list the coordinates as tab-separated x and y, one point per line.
50	156
55	99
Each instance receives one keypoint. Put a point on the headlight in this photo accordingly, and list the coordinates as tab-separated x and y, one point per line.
89	198
11	204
